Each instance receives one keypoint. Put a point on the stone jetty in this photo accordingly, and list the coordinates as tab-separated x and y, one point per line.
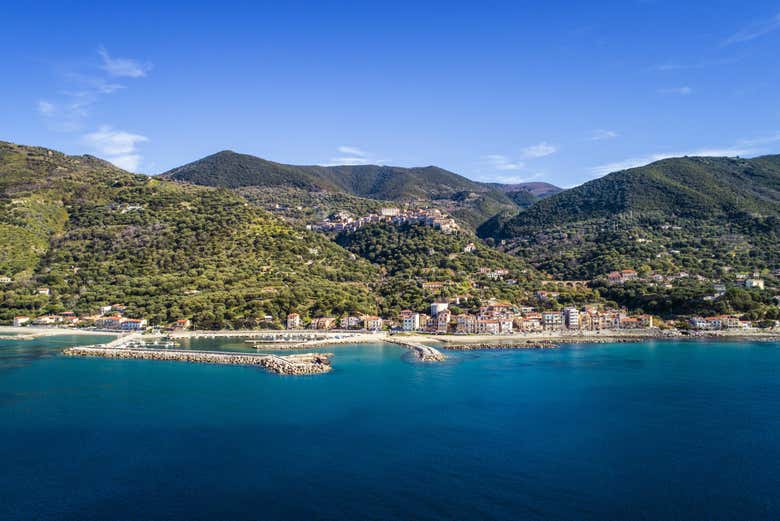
298	364
423	352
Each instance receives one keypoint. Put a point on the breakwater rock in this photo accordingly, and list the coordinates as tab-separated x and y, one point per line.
499	345
423	352
299	364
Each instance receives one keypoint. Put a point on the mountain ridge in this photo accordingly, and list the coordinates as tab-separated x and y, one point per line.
478	201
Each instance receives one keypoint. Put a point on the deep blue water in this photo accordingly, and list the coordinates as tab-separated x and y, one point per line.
660	430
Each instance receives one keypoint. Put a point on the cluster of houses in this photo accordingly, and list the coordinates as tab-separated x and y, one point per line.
504	318
494	318
366	322
109	318
742	279
343	221
718	323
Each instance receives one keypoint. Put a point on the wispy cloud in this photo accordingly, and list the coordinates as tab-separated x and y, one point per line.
117	146
354	156
68	110
600	170
754	30
761	140
353	151
603	135
682	91
680	66
46	108
123	67
539	150
501	162
516	179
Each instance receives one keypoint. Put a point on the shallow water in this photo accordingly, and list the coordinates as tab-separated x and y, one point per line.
660	430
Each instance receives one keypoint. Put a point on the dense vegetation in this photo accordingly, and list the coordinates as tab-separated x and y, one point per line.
702	215
412	254
96	235
690	297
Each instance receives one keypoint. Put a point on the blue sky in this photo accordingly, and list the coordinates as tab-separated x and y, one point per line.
497	91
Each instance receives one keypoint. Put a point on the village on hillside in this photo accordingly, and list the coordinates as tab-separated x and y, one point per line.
344	221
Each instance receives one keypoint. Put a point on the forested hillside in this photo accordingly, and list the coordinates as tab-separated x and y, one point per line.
698	214
469	201
96	235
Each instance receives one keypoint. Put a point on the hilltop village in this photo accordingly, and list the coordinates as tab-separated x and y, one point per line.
344	221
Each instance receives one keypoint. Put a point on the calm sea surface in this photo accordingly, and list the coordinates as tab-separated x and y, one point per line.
661	430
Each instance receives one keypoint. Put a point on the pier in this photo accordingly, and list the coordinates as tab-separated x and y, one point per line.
298	364
423	352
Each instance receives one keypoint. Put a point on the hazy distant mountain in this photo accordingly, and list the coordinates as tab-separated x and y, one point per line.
538	189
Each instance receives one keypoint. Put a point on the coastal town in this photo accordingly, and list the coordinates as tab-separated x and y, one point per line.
443	317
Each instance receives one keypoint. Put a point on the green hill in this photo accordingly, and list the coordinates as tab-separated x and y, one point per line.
471	202
701	214
97	235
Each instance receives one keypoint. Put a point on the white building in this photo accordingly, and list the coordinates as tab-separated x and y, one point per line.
438	307
571	317
20	321
410	321
350	322
293	321
754	283
552	320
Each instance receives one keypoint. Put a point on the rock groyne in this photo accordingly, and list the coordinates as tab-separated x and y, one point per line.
423	352
299	364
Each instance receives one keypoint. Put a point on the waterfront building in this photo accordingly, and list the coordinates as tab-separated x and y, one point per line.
323	323
133	324
465	324
443	321
20	321
552	320
293	321
530	322
350	322
410	321
488	327
571	318
47	320
372	323
182	324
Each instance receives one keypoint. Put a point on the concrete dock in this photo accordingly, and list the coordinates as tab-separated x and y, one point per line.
298	364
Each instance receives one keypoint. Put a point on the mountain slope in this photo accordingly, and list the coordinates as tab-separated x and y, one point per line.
662	214
473	202
97	235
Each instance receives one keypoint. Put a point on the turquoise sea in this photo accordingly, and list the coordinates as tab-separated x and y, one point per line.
660	430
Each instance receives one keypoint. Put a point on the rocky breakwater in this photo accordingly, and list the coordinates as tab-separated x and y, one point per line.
423	352
538	344
300	364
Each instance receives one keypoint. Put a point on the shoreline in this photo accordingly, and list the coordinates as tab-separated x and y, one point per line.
33	332
554	339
